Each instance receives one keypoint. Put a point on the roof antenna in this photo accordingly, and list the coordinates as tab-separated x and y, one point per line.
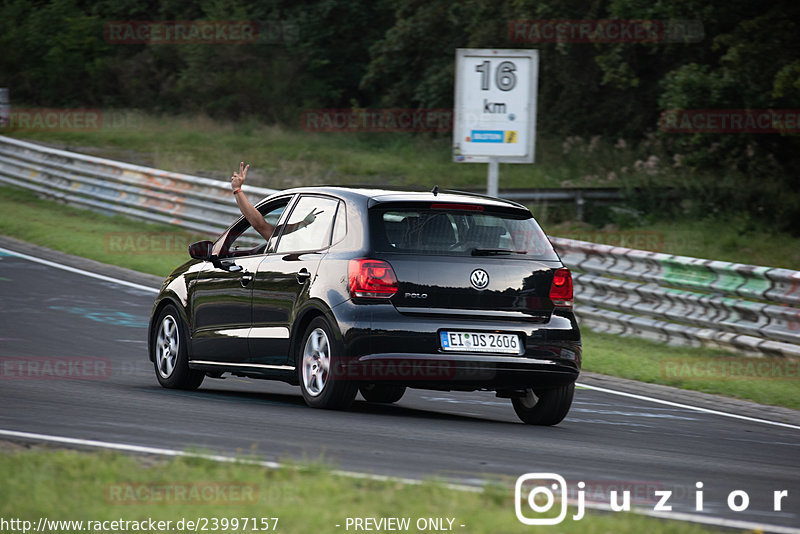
435	190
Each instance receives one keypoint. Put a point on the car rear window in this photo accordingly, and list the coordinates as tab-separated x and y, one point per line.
460	230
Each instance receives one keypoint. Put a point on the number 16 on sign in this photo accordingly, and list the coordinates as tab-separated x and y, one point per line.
495	108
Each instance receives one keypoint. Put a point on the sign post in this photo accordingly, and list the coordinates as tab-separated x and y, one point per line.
5	108
495	108
493	178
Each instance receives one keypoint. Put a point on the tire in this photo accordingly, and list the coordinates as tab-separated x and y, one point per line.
550	409
381	393
171	353
318	355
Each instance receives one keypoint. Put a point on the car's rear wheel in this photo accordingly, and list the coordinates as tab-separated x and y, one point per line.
319	354
382	393
171	353
544	407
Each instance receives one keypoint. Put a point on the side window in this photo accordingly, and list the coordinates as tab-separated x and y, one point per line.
309	225
246	243
339	225
243	240
272	216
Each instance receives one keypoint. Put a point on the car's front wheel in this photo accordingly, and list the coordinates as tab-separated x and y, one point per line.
544	407
319	354
171	355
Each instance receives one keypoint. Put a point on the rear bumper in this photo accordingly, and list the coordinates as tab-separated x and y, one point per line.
399	349
455	372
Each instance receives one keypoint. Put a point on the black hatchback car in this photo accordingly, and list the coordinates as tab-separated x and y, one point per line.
376	291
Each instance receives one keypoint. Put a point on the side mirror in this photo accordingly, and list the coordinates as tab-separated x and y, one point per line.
201	250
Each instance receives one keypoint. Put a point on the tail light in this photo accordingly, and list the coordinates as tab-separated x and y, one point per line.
561	288
468	207
372	278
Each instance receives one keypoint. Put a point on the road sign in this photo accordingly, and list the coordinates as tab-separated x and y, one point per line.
495	105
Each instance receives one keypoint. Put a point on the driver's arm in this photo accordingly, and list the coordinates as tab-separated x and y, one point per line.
252	215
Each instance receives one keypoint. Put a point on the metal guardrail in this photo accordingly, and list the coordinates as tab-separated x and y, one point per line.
685	301
577	196
672	299
152	195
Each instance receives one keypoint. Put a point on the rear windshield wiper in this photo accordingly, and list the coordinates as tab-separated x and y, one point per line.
495	251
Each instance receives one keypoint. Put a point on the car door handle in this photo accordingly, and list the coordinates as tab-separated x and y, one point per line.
246	279
303	275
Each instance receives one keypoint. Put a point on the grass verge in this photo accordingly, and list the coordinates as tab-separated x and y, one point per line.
157	249
282	158
116	240
729	240
772	381
104	486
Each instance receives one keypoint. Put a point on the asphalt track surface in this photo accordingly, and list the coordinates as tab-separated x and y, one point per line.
607	441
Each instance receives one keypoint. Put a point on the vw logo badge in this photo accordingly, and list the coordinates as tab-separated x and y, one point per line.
479	279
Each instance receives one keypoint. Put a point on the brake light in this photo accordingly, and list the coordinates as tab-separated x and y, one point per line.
467	207
561	288
372	278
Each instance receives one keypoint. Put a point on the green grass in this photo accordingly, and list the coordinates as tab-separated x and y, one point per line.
730	240
116	240
289	156
281	157
699	369
68	485
284	157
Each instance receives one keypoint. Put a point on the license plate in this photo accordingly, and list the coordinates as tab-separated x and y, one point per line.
480	342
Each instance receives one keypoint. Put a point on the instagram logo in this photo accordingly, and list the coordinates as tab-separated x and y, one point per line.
541	497
541	490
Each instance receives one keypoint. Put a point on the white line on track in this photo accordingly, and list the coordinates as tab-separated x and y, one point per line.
126	447
716	521
687	406
78	271
159	451
696	518
594	388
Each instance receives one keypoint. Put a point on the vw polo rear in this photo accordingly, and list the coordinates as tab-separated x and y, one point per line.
461	293
375	291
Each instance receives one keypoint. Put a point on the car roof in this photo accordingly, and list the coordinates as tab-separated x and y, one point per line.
376	196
